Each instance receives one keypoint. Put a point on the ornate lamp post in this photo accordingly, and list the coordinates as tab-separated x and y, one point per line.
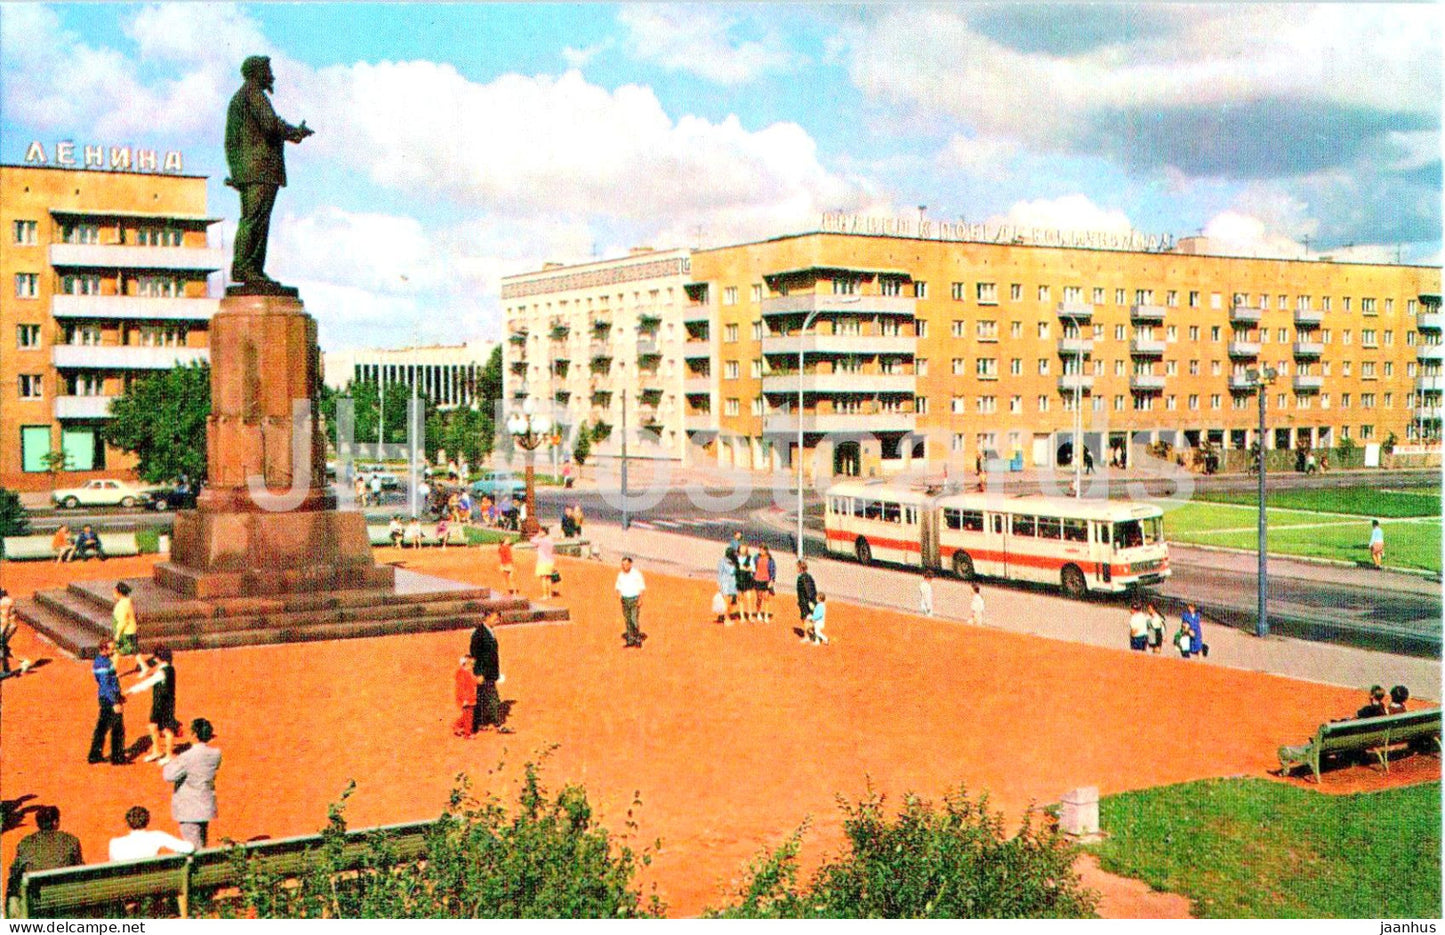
530	430
1262	378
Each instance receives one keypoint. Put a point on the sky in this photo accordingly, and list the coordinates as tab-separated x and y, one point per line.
459	143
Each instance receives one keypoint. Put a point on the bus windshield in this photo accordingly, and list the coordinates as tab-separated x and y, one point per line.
1133	533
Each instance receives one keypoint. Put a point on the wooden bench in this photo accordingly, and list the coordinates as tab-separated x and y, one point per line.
89	888
1375	735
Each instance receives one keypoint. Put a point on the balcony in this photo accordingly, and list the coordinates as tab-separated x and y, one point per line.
518	337
695	348
692	313
1076	311
1308	317
519	366
1240	383
1146	347
1245	314
1145	313
1247	350
82	407
1075	382
1430	382
869	383
787	423
1428	413
1074	347
1428	321
118	357
843	304
696	386
115	256
133	307
599	349
1430	352
647	347
864	344
1309	383
1308	349
699	422
1146	383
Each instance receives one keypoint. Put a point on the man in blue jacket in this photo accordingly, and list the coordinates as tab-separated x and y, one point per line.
109	720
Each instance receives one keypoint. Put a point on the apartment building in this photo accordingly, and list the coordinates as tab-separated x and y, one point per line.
917	352
104	277
583	338
447	374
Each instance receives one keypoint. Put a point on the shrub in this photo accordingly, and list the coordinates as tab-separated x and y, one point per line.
14	521
953	861
546	859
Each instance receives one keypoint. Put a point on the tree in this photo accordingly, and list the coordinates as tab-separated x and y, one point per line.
54	464
582	446
161	420
14	521
949	862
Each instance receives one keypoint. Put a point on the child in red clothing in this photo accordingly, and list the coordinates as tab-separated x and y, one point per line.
466	695
504	560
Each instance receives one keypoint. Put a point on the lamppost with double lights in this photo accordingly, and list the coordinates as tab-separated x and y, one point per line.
530	430
1261	378
802	337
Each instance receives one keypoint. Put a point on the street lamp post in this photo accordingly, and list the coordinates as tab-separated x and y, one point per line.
802	332
1262	378
530	429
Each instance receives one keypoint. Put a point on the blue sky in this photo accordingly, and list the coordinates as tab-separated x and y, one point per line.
457	143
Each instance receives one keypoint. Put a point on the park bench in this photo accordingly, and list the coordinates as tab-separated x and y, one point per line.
1377	735
35	548
102	888
381	535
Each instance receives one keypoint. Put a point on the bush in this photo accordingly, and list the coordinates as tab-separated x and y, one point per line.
545	860
14	521
950	862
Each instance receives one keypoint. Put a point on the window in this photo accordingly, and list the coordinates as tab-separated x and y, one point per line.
1367	307
1098	295
958	370
845	286
1283	334
959	328
1118	403
888	327
1389	338
958	405
987	330
1346	336
987	293
1345	367
1016	404
1016	329
1043	329
1170	403
1214	369
730	370
1043	293
1389	368
1325	336
30	386
24	233
1073	295
1119	296
27	336
964	520
1016	292
920	405
27	285
920	367
730	295
730	334
957	442
1280	401
156	336
81	233
986	368
1118	332
1194	368
1098	332
1367	338
1216	300
1193	299
920	290
1043	366
730	407
1367	370
1367	432
157	287
1171	298
1016	367
757	368
1367	400
1143	296
1345	303
1022	525
1171	368
1171	334
1118	368
987	404
1214	401
1389	400
1214	332
757	292
85	335
757	405
920	327
1144	403
956	291
1043	404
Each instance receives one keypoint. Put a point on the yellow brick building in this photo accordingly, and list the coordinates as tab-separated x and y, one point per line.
920	352
103	277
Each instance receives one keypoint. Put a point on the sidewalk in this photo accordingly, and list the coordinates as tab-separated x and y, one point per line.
1021	610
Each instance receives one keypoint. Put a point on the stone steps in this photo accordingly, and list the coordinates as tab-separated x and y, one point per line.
68	634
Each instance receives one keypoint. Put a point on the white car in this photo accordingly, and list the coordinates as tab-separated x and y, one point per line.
100	492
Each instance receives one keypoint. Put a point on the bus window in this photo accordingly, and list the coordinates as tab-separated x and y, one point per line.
1153	530
910	515
1049	527
972	520
952	519
1023	525
872	510
891	512
1103	532
1076	530
997	523
1128	534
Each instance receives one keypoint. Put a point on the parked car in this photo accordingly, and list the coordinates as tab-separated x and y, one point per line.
172	498
100	492
493	483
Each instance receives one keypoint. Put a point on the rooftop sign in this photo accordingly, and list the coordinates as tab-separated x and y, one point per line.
977	232
68	155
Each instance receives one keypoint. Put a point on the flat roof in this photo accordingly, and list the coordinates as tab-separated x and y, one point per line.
902	273
79	170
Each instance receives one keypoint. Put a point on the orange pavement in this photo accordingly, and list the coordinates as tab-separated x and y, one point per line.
730	735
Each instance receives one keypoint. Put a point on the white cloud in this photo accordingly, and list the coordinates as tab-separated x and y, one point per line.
1232	233
580	57
698	40
1071	212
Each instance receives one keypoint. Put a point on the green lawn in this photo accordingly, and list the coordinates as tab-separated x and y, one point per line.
1361	501
1184	521
1252	848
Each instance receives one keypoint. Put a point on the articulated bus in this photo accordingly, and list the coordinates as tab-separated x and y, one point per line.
1079	545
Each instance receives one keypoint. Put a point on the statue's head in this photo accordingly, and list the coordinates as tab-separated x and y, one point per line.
257	68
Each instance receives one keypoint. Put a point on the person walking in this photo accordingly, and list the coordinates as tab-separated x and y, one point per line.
807	591
629	587
1138	629
925	593
765	570
193	773
727	585
126	641
546	562
817	619
1377	544
163	724
1195	622
1156	631
375	498
48	848
485	653
975	607
504	563
464	684
109	720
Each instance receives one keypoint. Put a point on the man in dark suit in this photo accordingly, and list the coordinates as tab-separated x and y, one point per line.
807	596
47	849
486	666
255	137
193	800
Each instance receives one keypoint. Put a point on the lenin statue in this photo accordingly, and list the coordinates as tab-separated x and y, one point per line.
254	139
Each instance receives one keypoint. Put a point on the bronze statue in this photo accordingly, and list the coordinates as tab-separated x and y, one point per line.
254	141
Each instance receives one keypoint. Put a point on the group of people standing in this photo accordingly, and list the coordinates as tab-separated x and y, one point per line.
1146	631
746	580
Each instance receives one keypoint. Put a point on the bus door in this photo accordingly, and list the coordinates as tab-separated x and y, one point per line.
1102	551
928	535
995	560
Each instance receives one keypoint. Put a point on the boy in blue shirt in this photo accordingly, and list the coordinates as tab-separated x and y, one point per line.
109	720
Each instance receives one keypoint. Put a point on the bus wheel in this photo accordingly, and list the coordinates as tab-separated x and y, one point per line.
963	566
864	553
1073	581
